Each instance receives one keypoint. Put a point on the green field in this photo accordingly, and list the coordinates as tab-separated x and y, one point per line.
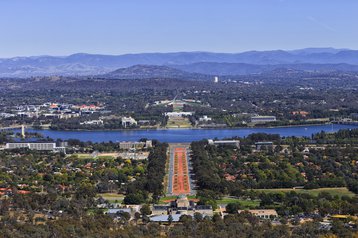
111	197
333	191
178	107
184	123
243	203
83	156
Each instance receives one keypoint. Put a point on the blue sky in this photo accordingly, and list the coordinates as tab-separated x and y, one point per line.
63	27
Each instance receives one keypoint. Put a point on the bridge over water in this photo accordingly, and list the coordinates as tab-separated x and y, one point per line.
14	127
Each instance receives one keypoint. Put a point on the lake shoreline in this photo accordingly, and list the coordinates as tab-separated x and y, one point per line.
188	128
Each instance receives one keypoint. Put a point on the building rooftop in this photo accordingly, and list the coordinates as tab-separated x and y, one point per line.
115	210
261	212
264	143
164	218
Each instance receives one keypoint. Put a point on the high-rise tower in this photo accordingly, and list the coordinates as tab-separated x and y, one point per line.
23	131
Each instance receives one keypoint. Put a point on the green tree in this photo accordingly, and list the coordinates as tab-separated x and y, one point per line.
145	210
198	217
170	219
232	208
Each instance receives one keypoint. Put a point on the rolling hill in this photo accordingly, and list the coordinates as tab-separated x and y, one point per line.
195	62
151	71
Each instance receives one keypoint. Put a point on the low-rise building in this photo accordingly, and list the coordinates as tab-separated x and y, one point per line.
182	206
52	115
178	114
92	122
300	113
165	218
225	142
159	210
262	119
45	146
127	145
7	115
134	155
262	213
68	115
205	119
204	210
128	121
263	144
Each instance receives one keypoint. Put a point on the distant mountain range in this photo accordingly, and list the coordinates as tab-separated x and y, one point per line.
310	59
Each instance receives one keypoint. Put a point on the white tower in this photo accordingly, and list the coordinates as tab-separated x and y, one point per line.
216	79
23	131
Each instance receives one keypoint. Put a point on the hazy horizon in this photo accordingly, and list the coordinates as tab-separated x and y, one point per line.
173	52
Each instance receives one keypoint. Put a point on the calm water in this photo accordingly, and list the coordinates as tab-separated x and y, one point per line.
186	135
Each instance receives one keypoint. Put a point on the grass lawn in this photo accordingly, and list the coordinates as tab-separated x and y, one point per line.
181	122
111	197
333	191
105	157
83	156
244	203
178	107
178	124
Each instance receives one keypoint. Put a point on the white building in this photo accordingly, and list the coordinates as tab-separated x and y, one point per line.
262	213
178	114
127	145
205	119
263	119
93	122
225	142
263	144
128	121
46	146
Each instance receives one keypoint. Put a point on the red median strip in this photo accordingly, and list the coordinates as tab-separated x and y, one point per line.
180	176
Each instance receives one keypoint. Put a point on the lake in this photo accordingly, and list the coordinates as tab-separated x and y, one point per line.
186	135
